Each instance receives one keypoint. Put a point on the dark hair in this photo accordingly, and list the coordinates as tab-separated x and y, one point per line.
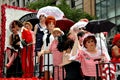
64	43
16	22
88	38
68	44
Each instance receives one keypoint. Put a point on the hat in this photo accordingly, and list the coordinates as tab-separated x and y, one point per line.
58	29
116	38
78	25
39	13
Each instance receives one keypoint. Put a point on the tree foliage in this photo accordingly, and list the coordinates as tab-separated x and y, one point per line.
71	13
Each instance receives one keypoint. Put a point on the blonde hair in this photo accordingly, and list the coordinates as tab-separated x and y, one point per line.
28	24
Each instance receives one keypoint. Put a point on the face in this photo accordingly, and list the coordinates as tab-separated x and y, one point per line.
80	39
68	50
14	29
118	43
56	34
42	18
27	26
51	26
90	44
71	36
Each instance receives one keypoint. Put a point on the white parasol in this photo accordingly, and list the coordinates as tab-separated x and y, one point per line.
51	11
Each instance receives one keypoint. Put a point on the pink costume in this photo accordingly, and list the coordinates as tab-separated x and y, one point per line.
57	60
88	65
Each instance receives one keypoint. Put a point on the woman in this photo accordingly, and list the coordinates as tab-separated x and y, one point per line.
71	67
47	40
39	31
29	26
88	57
14	68
26	49
116	52
116	48
57	55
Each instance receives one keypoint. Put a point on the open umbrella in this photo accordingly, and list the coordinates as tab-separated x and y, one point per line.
51	11
64	24
97	26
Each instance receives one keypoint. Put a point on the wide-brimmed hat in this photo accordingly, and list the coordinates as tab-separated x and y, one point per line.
57	29
38	14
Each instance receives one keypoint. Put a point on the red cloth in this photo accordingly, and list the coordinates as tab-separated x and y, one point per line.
33	78
26	55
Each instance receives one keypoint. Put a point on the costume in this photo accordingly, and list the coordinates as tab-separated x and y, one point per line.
26	53
57	60
88	65
47	40
15	69
73	71
39	42
39	37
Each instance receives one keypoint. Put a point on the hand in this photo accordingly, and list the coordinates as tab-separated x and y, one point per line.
40	53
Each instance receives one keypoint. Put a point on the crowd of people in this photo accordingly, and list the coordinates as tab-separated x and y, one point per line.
47	49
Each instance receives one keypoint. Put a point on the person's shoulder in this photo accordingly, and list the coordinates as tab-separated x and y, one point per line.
115	47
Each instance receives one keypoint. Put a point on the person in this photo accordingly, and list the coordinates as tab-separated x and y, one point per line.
57	55
39	30
80	27
89	57
26	48
12	50
115	50
47	40
72	67
14	68
29	26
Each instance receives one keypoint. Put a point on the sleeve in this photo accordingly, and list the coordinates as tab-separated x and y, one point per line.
79	56
101	43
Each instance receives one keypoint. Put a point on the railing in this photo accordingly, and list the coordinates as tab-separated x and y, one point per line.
108	71
7	73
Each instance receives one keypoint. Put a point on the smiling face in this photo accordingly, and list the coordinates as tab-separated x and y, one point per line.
90	44
56	33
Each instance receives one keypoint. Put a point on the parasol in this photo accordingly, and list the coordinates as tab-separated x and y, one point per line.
51	11
97	26
64	24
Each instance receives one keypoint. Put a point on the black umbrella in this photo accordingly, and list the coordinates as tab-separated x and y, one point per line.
97	26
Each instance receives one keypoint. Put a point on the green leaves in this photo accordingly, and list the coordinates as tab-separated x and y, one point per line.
70	13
